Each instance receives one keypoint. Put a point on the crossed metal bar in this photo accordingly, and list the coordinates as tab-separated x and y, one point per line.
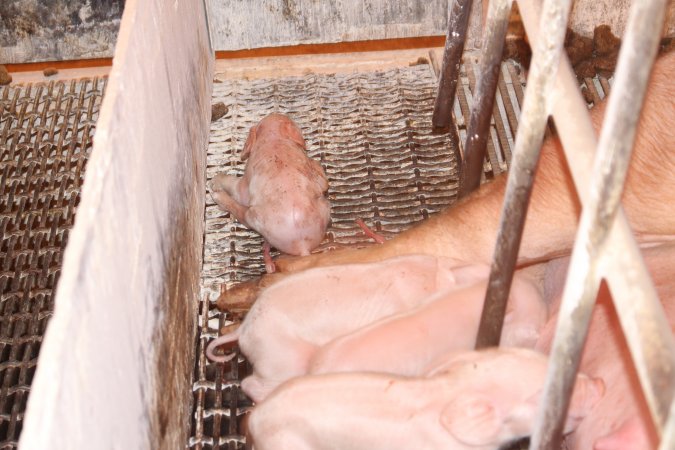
604	247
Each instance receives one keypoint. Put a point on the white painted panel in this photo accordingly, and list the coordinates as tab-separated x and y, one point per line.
115	366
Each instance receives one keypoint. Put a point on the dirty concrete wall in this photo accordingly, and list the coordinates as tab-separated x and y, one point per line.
588	14
51	30
44	30
269	23
265	23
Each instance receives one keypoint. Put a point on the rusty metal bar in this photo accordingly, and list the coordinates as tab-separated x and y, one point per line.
597	221
478	131
529	137
458	22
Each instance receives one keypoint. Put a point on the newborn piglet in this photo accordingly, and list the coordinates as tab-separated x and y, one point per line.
476	400
281	195
407	342
295	317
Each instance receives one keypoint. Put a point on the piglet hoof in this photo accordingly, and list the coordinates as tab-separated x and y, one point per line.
267	257
239	298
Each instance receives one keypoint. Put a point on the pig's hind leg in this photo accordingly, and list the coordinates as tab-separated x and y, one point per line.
267	257
226	191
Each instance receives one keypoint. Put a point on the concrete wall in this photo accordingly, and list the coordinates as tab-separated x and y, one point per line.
116	363
48	30
41	30
269	23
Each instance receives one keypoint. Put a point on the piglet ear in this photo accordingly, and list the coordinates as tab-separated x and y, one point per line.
250	141
294	134
472	420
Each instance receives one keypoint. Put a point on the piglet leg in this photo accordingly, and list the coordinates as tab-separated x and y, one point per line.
370	233
269	263
226	191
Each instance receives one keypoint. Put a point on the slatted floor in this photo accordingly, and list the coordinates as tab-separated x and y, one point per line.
45	139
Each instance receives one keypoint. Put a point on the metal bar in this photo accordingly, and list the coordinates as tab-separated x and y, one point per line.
500	129
643	320
478	131
490	150
597	220
458	22
668	436
533	120
579	142
510	115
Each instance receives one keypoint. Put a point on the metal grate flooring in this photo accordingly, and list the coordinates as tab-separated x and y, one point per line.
45	138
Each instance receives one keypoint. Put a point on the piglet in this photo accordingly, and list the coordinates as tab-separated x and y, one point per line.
281	194
295	317
407	342
474	400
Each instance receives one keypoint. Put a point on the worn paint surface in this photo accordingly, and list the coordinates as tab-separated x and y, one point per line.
116	362
49	30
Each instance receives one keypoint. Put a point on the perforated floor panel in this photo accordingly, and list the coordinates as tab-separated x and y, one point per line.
45	138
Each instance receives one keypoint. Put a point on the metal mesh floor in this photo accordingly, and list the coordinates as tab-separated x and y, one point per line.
372	134
45	140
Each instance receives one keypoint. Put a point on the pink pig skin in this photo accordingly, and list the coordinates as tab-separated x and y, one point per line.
407	342
281	194
477	400
296	316
621	420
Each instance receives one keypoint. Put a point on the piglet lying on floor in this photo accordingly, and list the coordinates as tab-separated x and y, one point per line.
293	318
475	400
281	194
407	342
380	316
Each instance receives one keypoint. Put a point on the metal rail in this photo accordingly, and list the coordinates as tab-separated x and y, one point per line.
458	22
543	70
578	139
668	436
654	365
603	221
484	96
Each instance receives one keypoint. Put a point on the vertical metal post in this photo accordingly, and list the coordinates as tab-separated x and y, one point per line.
478	131
581	287
543	70
458	22
668	435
